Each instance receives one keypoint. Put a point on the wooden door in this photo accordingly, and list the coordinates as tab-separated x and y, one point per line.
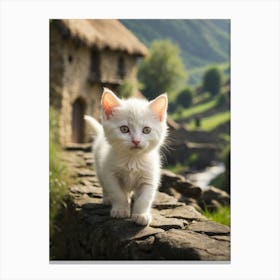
78	124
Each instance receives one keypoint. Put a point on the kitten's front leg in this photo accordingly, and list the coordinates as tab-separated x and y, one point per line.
143	199
117	197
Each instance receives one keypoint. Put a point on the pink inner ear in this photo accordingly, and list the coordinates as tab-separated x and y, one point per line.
159	106
109	101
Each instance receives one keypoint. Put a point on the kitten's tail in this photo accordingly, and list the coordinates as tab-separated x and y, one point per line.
94	124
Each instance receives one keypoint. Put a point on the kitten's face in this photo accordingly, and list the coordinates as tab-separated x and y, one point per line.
135	126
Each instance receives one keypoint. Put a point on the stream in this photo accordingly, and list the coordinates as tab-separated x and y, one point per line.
203	177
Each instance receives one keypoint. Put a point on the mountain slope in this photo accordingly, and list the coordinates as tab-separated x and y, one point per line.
202	42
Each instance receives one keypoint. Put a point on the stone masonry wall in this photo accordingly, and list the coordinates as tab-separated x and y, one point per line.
109	66
87	232
56	67
76	85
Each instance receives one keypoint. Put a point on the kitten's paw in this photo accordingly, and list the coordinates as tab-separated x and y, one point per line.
142	219
120	212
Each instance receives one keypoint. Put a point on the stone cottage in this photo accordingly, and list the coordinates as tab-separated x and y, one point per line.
85	56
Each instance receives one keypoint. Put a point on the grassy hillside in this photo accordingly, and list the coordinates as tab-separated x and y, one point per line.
202	42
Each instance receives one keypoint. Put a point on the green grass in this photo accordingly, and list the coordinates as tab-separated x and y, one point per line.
225	137
212	122
58	180
197	109
201	98
221	215
59	177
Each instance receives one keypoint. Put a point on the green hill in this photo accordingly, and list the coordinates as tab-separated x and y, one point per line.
202	42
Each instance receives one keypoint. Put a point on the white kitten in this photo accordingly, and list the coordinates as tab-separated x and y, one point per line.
127	153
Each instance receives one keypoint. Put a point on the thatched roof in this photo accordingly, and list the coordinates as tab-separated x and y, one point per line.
102	34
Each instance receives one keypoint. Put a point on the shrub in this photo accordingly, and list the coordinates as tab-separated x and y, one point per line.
172	107
185	97
222	100
212	80
125	89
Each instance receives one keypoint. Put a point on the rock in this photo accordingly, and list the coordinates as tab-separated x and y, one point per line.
85	172
89	162
79	147
92	191
187	245
164	201
85	230
88	156
89	181
191	202
162	222
170	180
212	198
209	228
84	199
183	212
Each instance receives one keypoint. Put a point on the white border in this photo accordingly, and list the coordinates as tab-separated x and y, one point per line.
255	138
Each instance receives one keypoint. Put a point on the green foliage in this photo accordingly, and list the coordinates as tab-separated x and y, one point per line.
196	74
193	159
225	137
125	89
58	173
201	98
54	125
197	109
185	97
223	180
219	182
227	173
202	42
212	80
172	107
162	70
58	180
212	122
221	215
222	100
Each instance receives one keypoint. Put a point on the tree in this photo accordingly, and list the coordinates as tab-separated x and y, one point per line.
185	97
125	89
212	80
162	70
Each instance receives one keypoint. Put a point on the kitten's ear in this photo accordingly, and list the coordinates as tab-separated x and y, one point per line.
159	106
109	101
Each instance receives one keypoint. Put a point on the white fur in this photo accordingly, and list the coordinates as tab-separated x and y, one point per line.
122	170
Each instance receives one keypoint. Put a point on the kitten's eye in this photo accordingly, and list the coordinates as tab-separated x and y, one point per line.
124	129
146	130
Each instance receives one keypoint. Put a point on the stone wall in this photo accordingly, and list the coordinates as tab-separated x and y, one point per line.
85	230
182	147
56	67
109	67
76	85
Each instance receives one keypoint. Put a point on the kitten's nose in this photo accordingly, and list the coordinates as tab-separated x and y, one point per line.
135	142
